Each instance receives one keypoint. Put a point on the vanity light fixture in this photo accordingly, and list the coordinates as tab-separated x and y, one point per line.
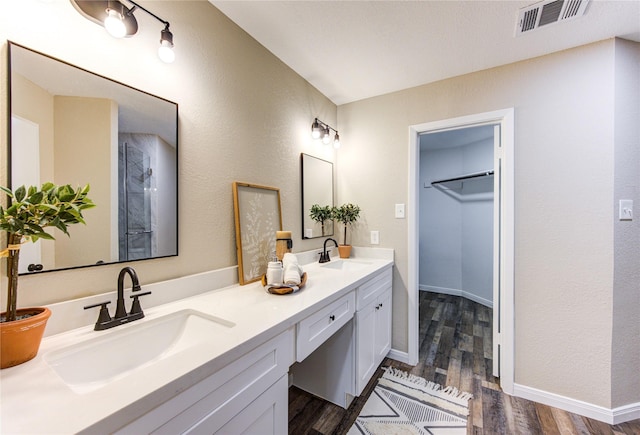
120	22
322	130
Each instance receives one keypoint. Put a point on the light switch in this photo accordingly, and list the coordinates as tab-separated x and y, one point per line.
626	210
375	237
399	211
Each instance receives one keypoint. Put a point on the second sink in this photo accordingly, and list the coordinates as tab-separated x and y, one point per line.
346	265
89	365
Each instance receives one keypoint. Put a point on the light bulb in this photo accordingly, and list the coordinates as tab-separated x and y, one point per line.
165	52
114	23
326	138
166	46
315	130
336	141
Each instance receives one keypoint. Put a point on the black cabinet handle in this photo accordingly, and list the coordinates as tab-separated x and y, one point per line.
332	317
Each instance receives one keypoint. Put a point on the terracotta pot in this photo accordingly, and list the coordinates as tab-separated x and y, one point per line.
344	251
20	340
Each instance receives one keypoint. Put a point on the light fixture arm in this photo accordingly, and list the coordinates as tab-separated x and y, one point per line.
137	6
325	125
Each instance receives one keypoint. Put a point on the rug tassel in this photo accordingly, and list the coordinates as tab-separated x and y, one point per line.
449	391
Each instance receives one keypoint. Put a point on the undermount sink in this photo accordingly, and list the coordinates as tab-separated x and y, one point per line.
92	364
347	265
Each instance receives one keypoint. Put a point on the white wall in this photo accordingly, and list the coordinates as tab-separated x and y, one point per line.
243	116
440	222
456	221
626	296
564	219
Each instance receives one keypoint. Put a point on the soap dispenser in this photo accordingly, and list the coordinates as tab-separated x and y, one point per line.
275	272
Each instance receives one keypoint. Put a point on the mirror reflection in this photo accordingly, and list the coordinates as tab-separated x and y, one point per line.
71	126
317	189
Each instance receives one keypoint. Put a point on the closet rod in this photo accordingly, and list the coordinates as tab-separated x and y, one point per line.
465	177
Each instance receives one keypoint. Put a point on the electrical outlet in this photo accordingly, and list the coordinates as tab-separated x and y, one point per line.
375	237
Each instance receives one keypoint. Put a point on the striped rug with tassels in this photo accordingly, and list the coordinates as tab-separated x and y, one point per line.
402	403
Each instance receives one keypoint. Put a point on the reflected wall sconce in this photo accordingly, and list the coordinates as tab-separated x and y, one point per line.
322	130
120	22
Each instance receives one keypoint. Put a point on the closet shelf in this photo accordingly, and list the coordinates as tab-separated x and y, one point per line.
465	177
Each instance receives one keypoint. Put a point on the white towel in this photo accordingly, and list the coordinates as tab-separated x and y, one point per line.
292	271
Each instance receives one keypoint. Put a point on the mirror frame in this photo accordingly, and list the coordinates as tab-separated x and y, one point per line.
305	212
10	96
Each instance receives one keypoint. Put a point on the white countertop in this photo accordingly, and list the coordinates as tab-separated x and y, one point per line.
34	399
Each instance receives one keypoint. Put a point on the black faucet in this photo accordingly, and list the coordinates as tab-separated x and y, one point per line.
135	286
324	255
121	317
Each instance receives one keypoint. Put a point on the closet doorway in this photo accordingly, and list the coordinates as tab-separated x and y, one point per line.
461	222
456	212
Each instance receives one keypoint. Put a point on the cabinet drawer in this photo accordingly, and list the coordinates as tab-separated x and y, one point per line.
370	290
222	395
318	327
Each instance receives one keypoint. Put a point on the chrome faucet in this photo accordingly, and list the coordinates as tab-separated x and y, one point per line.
324	255
121	316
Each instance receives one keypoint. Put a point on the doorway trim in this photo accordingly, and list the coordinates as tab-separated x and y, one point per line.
505	306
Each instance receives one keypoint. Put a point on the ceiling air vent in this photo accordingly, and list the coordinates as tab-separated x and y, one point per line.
548	12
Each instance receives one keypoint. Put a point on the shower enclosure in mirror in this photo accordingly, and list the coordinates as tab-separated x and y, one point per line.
72	126
317	188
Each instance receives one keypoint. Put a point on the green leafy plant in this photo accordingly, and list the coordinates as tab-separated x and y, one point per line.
321	214
348	214
31	210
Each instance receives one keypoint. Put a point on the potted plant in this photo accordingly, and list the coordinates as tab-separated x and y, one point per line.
30	212
320	214
347	214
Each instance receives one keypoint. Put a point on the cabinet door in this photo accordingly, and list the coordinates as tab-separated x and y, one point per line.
218	398
365	343
266	415
383	326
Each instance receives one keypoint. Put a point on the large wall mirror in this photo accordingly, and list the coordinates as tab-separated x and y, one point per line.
317	188
72	126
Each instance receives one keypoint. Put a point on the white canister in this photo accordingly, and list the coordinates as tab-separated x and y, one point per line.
274	273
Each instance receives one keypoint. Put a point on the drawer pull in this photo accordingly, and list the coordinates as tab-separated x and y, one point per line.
332	317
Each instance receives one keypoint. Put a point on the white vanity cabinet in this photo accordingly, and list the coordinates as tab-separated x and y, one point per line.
247	396
373	334
340	368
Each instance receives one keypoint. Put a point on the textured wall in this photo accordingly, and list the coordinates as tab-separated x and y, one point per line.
564	170
244	116
626	297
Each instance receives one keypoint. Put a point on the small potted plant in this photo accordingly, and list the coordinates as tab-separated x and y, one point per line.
321	215
30	212
348	214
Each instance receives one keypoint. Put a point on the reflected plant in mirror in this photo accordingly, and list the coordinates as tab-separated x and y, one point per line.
127	141
317	188
321	215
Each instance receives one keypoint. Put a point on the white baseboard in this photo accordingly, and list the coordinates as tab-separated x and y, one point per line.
457	292
617	415
403	357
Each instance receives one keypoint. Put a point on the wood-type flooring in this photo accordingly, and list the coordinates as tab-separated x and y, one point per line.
456	350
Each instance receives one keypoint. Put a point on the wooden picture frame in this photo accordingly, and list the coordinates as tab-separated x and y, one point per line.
258	216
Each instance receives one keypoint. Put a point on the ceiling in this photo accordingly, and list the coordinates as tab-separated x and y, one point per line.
351	50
